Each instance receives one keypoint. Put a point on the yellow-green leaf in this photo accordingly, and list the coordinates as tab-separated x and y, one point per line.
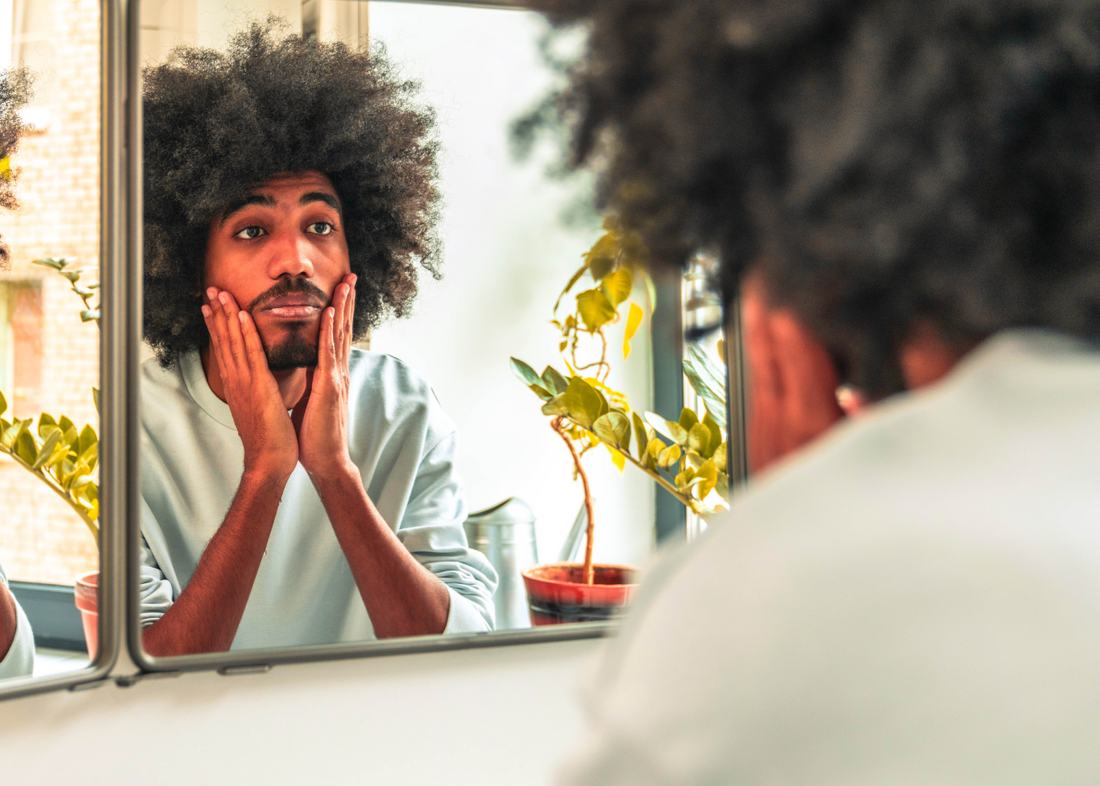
580	402
45	423
600	259
688	418
95	399
708	478
698	439
573	280
685	480
553	381
641	434
633	320
72	275
617	285
613	429
669	456
720	456
3	403
56	264
618	458
88	438
12	433
595	309
715	432
25	447
722	486
673	431
45	451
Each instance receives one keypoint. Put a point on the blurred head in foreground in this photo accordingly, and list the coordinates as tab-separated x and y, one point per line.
886	168
15	92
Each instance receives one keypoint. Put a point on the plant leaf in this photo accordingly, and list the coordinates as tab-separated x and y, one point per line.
633	320
575	278
3	403
72	275
95	399
527	376
56	264
595	309
720	456
613	429
25	446
580	402
673	431
88	314
616	286
45	422
553	380
641	434
600	259
87	439
669	456
616	457
45	452
698	439
708	478
688	418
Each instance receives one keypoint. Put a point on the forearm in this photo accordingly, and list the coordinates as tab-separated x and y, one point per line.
205	616
9	621
403	598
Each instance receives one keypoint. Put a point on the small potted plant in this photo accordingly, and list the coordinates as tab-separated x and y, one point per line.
64	457
686	457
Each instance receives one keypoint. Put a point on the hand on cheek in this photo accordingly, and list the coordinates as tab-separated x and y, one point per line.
792	380
265	429
321	417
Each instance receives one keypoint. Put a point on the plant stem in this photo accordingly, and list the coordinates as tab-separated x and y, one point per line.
589	574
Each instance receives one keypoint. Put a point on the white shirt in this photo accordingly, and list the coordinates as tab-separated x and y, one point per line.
192	460
19	661
915	599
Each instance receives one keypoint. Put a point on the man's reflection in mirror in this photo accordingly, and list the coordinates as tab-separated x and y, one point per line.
296	490
16	637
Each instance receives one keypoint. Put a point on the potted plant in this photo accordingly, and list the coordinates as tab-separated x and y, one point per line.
686	457
64	457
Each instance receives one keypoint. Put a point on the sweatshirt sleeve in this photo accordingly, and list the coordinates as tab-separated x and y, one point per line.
19	661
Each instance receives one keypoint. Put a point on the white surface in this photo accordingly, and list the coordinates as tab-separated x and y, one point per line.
496	716
912	599
50	662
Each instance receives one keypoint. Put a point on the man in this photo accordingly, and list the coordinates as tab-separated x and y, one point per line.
297	491
16	637
905	197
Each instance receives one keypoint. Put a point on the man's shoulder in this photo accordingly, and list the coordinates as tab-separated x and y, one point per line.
386	375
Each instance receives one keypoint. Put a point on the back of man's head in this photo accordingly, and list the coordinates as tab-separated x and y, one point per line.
884	163
217	124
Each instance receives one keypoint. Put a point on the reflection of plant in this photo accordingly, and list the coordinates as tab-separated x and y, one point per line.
56	452
686	457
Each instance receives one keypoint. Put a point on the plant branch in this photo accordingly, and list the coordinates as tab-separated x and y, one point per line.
61	492
589	531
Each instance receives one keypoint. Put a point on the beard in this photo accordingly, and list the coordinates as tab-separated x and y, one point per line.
294	351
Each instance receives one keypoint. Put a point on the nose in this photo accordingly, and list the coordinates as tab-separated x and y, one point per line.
291	257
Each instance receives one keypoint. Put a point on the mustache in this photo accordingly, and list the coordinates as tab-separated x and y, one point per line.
289	286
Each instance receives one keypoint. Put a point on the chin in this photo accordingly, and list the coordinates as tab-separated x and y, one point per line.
292	352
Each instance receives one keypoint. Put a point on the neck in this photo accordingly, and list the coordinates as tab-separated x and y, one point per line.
926	358
292	382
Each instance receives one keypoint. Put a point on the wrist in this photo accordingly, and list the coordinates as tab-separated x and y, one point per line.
337	472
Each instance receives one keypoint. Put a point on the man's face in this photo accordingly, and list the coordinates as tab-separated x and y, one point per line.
281	252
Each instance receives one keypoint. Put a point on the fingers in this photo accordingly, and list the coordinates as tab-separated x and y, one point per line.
349	318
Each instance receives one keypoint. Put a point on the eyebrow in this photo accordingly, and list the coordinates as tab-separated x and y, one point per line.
268	201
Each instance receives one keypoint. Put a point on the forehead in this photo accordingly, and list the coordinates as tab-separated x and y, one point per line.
287	183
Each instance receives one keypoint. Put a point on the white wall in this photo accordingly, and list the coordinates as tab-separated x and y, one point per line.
507	256
497	716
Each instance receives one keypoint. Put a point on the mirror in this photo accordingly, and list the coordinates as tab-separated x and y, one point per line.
451	452
49	339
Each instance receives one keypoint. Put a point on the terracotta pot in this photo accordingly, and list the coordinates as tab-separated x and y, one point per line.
87	600
556	593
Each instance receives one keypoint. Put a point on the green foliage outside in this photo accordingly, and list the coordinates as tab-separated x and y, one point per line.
687	457
55	451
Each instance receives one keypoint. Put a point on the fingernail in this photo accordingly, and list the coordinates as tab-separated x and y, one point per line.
242	316
211	293
224	298
205	310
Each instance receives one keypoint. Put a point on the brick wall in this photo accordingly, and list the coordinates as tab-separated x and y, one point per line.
41	539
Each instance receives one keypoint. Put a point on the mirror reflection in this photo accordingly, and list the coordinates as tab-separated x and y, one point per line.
341	256
49	319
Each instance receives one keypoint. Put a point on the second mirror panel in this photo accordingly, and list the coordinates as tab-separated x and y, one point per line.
400	485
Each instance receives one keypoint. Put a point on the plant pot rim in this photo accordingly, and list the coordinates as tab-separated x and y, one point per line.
533	573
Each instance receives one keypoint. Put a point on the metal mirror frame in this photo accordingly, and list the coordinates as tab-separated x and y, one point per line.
125	333
116	423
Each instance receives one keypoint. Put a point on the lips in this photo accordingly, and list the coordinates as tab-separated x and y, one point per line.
294	306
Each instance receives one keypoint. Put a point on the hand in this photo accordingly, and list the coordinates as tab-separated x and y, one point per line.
321	416
265	429
792	380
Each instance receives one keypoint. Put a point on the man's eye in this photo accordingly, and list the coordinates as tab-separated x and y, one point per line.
250	233
321	228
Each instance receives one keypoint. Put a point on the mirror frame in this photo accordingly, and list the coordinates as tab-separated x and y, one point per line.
247	661
116	422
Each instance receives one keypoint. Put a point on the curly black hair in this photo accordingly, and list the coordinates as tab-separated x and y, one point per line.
884	163
217	124
15	93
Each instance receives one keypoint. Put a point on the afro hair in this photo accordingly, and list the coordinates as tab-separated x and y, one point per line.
217	124
15	93
884	163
